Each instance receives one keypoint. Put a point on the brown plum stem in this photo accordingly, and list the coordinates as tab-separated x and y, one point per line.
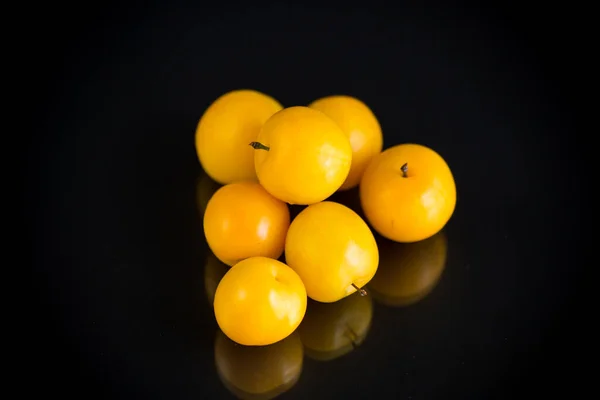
404	170
259	146
362	292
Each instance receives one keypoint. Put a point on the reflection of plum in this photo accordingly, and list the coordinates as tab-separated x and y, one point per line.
408	271
214	270
205	188
259	372
330	330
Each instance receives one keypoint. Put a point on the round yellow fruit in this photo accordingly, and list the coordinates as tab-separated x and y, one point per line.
224	131
408	193
360	125
259	301
332	249
301	156
243	220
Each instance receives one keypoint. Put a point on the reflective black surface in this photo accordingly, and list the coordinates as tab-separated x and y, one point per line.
126	277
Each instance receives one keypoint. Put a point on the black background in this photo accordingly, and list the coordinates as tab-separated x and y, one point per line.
117	238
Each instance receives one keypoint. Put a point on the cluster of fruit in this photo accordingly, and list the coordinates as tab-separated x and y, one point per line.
269	158
406	274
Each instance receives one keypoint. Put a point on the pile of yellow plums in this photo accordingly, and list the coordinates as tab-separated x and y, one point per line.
267	159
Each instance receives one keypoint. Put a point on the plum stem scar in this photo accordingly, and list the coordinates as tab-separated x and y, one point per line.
362	292
259	146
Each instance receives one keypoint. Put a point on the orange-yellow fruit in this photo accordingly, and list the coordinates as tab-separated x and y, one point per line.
302	156
332	249
360	125
242	220
259	301
408	193
224	131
